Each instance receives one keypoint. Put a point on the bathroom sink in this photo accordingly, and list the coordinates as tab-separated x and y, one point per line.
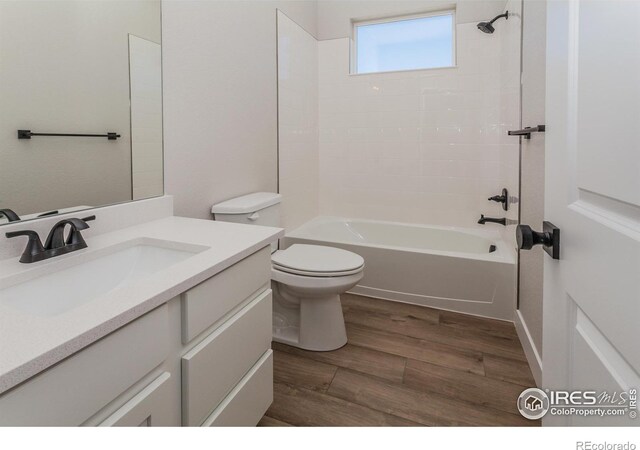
92	276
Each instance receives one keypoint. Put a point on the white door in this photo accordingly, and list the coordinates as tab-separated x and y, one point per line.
592	193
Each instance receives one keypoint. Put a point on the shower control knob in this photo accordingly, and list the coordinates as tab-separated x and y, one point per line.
503	198
549	238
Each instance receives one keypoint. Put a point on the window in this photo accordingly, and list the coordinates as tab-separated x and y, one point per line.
409	43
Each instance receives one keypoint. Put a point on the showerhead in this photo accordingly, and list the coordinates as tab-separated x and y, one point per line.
487	27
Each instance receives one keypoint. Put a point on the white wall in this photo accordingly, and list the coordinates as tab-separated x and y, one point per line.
335	16
220	98
418	146
297	122
65	70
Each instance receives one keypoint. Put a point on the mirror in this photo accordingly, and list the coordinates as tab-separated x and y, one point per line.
80	105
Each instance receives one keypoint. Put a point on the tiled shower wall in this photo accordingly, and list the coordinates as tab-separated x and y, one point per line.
297	123
421	146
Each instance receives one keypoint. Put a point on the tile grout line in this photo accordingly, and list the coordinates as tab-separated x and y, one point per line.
404	370
332	378
367	406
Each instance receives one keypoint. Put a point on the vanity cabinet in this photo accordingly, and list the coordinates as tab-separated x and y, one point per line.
203	358
73	390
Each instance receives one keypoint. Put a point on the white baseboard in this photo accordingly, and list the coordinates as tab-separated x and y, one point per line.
530	350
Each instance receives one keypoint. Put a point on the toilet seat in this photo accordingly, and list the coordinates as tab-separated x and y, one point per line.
317	274
317	261
315	283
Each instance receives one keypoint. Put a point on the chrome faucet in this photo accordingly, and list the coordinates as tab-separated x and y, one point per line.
56	244
483	220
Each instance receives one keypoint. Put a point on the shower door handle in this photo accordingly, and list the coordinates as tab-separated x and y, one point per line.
549	238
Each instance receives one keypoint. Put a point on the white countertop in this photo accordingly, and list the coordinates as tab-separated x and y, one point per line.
30	344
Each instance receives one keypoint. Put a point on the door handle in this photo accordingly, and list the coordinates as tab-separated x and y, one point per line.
549	238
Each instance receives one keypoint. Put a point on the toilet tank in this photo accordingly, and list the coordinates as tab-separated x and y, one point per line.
259	208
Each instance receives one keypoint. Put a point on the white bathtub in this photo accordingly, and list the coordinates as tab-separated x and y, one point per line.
457	269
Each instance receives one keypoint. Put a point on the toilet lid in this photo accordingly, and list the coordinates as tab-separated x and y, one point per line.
316	259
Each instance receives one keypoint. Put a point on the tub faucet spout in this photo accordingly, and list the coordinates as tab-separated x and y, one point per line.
483	220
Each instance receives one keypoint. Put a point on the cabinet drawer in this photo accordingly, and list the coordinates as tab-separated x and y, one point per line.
75	389
213	367
151	407
206	303
249	400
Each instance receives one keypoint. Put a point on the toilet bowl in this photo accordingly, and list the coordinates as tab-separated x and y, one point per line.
307	280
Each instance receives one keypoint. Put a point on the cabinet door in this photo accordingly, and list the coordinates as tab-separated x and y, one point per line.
212	368
149	408
208	302
249	400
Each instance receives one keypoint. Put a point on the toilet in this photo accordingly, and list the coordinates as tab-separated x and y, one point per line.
307	280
